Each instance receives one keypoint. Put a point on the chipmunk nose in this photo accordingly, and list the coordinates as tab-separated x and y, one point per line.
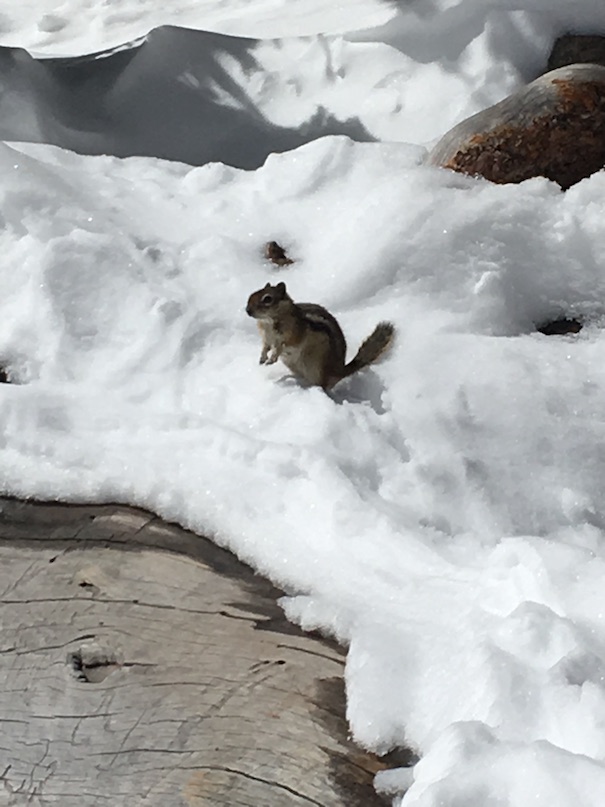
248	310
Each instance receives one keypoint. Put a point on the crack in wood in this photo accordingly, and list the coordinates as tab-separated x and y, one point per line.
261	780
43	648
135	602
339	661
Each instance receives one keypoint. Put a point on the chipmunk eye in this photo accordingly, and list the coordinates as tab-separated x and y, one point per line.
266	299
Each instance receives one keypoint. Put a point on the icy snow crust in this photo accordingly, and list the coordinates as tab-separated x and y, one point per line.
443	514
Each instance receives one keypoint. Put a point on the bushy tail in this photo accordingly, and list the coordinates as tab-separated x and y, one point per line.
372	348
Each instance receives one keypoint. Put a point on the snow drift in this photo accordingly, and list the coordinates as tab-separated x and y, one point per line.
197	97
442	515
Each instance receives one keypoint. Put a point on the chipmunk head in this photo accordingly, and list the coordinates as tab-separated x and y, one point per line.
263	303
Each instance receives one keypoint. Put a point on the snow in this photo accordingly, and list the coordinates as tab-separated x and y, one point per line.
196	97
443	513
86	26
199	96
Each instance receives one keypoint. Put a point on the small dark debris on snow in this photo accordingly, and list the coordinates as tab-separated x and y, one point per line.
277	254
4	376
560	327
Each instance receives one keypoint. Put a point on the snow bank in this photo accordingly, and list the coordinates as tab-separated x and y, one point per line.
432	31
443	514
196	96
73	27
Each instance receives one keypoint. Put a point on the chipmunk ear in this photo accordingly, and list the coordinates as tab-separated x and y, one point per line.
281	289
267	286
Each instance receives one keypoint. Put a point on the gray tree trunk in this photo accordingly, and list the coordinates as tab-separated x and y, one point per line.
142	666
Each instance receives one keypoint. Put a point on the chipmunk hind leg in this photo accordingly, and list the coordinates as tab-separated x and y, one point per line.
332	373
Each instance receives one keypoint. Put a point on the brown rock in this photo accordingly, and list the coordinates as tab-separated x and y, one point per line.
553	127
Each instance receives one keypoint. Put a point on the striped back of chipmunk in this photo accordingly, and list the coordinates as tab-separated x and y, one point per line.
319	319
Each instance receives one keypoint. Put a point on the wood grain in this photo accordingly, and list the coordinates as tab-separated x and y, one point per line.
142	665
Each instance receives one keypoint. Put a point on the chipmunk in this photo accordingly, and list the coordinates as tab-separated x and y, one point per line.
308	339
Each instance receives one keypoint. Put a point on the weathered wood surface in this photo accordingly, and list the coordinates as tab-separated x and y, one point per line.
553	128
142	666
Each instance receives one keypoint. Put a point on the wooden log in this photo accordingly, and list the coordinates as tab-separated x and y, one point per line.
144	666
553	127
